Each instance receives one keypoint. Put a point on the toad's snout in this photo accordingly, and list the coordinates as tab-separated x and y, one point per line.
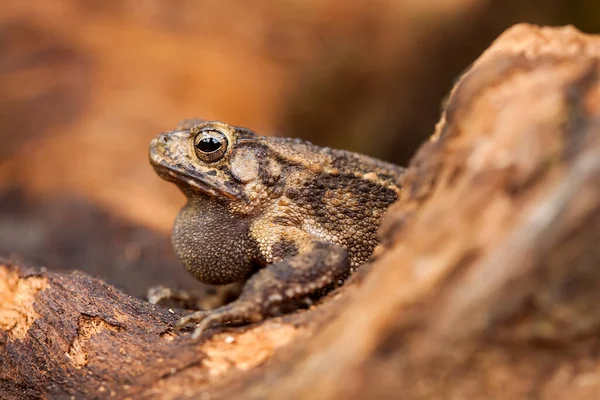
159	148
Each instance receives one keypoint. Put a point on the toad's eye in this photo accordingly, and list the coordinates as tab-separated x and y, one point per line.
210	145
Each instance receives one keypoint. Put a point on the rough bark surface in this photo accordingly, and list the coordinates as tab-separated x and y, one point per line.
485	286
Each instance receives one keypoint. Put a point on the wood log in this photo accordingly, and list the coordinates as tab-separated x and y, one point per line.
485	284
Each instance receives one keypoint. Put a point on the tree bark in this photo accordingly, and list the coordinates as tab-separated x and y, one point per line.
485	285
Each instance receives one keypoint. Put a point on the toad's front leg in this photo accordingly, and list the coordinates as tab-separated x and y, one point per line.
318	265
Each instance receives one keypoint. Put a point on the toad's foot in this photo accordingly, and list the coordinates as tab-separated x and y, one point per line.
234	312
277	286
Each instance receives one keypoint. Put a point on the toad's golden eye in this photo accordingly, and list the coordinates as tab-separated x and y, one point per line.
210	145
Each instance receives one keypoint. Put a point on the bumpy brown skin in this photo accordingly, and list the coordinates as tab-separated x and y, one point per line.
287	217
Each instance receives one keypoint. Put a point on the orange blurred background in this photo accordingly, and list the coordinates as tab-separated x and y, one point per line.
85	85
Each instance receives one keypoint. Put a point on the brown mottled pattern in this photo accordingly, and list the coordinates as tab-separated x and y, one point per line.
288	217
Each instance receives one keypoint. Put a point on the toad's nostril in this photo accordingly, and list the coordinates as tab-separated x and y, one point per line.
166	139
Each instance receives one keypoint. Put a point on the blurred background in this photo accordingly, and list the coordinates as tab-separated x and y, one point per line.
85	85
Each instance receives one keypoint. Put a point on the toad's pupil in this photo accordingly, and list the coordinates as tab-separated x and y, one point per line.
208	144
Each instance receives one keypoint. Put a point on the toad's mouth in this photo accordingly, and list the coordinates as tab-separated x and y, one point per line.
195	180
